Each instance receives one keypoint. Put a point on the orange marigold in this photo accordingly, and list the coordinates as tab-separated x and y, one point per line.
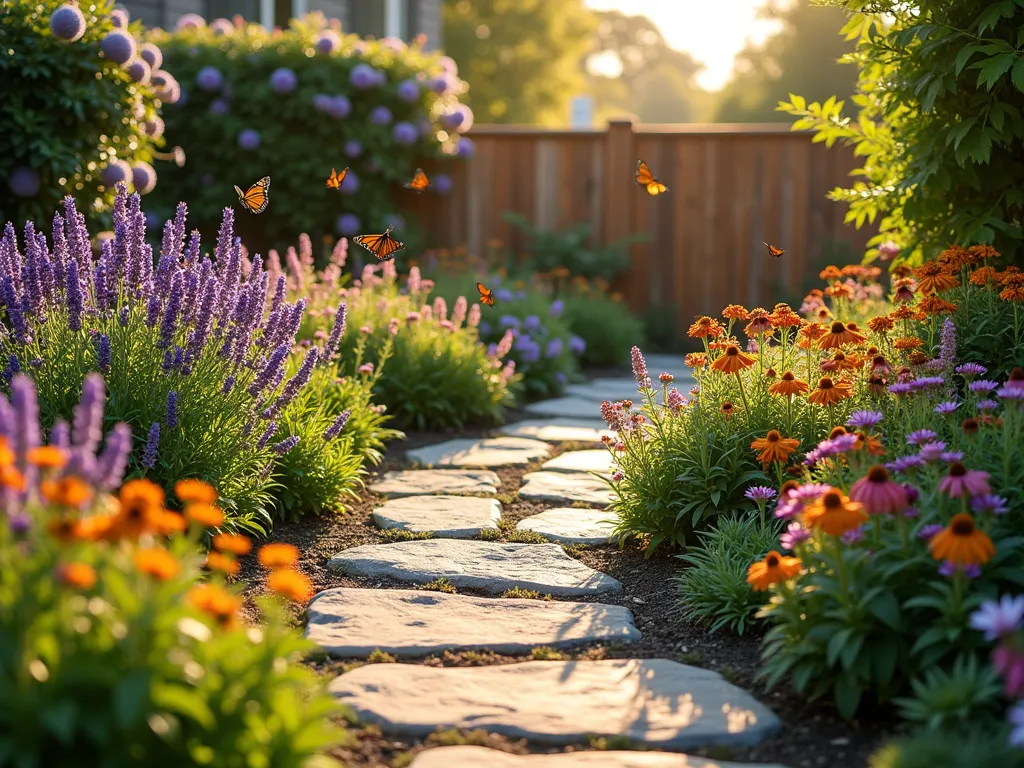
6	454
206	515
962	543
830	272
12	478
904	312
217	602
773	569
732	360
292	584
933	305
195	491
788	385
217	561
141	509
706	327
696	360
774	447
69	491
783	316
158	563
278	555
907	342
839	291
735	312
881	324
829	392
76	575
833	513
983	253
235	543
47	457
953	258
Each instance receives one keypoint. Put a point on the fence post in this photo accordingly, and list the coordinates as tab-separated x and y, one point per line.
619	159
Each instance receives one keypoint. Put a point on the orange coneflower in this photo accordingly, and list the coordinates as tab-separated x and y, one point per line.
857	332
907	342
735	312
982	253
788	385
216	602
729	410
844	362
773	569
292	584
217	561
47	457
962	543
141	509
759	323
953	258
696	360
881	324
706	327
904	312
235	543
732	360
206	515
837	335
984	275
158	563
76	575
783	316
278	555
69	491
94	527
830	272
170	523
933	305
870	443
195	491
774	447
833	513
839	291
829	392
812	332
871	351
823	314
836	432
903	291
932	278
1013	287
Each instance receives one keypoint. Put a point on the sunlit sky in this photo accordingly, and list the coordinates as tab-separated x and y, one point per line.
712	31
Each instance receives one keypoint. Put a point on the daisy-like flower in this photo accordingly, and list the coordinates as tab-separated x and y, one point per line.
987	405
933	305
971	369
823	314
838	335
760	493
960	481
921	436
696	360
989	502
946	408
735	312
783	316
795	534
829	392
788	385
879	494
759	323
865	420
983	386
998	619
932	451
950	456
962	543
904	291
834	513
900	388
774	447
773	569
881	324
706	327
1011	393
834	446
931	278
929	531
729	410
732	361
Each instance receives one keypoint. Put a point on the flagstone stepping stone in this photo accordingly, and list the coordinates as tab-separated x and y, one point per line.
565	486
423	482
484	565
654	702
567	525
476	757
569	407
555	430
580	461
494	452
606	389
352	622
449	517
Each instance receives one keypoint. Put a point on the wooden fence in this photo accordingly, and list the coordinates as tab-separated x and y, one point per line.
732	187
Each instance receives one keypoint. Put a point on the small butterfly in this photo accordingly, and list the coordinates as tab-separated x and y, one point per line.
773	251
384	246
486	296
335	179
646	179
258	196
419	182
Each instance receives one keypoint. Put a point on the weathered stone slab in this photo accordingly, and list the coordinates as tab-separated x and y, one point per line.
606	389
494	452
425	482
655	702
567	525
485	565
565	486
569	407
556	430
352	622
581	461
480	757
449	517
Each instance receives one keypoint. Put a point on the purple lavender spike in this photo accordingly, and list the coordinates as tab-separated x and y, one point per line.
73	292
111	463
225	237
77	235
168	364
7	421
60	435
265	437
285	445
297	382
229	384
170	321
145	271
8	246
81	463
334	340
178	242
191	296
60	250
152	443
279	293
12	303
121	205
162	278
171	416
167	242
87	427
270	370
203	319
26	435
124	315
337	425
152	310
194	246
103	350
30	271
13	368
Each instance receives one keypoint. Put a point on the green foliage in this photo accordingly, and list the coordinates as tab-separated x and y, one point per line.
941	98
713	588
980	746
299	202
943	699
67	133
522	58
607	327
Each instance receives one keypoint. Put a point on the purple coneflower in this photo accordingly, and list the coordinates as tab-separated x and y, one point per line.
879	494
795	534
960	481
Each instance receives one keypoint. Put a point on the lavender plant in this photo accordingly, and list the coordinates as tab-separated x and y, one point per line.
193	349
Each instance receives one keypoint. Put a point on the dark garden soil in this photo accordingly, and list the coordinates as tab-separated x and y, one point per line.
813	735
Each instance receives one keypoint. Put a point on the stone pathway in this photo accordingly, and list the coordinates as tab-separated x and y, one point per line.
654	703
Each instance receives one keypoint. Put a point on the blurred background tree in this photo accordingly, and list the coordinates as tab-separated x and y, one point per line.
801	59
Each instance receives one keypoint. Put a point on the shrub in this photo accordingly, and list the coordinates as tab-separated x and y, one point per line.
941	95
191	360
375	107
98	127
115	648
980	746
606	326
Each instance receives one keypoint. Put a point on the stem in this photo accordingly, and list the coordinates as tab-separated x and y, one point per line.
841	570
743	395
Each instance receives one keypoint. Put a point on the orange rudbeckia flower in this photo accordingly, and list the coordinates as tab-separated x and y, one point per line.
838	335
158	563
932	278
788	385
278	555
292	584
235	543
834	513
774	447
141	509
193	491
217	602
829	392
706	327
773	569
732	360
962	543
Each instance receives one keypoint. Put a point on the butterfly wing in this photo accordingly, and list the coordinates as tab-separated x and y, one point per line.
656	188
383	246
419	181
773	251
257	198
332	180
486	296
643	174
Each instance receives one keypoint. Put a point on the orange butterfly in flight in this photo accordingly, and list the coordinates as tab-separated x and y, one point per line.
646	179
335	179
258	196
773	251
486	296
419	182
384	246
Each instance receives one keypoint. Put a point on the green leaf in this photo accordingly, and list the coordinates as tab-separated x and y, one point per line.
964	56
1017	74
836	644
847	696
60	719
130	697
994	68
886	608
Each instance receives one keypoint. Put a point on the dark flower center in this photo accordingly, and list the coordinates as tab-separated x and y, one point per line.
878	361
832	500
852	327
773	437
825	383
956	469
838	327
873	351
878	474
732	351
788	376
962	526
836	432
1017	374
772	561
726	406
970	425
789	485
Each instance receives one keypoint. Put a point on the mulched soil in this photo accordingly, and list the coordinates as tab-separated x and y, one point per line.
813	735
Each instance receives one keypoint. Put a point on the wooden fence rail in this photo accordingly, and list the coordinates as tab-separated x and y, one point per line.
732	187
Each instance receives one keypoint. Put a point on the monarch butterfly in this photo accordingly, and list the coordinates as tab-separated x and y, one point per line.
773	251
335	179
486	296
419	182
384	246
258	196
646	179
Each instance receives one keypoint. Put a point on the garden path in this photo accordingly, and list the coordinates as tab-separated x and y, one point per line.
450	516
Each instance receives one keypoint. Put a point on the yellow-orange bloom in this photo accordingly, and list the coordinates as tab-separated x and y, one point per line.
12	478
217	602
933	305
984	275
908	342
732	360
788	385
141	509
6	454
158	563
842	362
773	569
833	513
735	312
962	543
829	392
881	324
68	491
206	515
932	278
838	335
292	584
870	443
94	527
47	457
77	575
217	561
831	272
904	312
235	543
706	327
195	492
774	447
760	323
278	555
783	316
696	360
839	291
729	410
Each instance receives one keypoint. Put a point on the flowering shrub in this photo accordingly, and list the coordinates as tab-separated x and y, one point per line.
604	324
115	645
378	107
193	359
108	103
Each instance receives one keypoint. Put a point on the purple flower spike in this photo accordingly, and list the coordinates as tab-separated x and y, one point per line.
103	352
152	443
110	464
337	425
74	297
172	409
265	437
87	427
285	445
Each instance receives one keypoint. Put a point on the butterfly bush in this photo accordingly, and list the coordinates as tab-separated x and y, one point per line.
194	350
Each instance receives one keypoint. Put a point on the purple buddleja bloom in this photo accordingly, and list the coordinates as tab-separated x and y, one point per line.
971	369
152	310
865	420
947	344
337	425
295	383
172	409
334	340
111	463
77	235
87	427
170	321
921	436
229	384
102	342
13	306
73	291
285	445
26	432
60	435
265	437
152	443
270	370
